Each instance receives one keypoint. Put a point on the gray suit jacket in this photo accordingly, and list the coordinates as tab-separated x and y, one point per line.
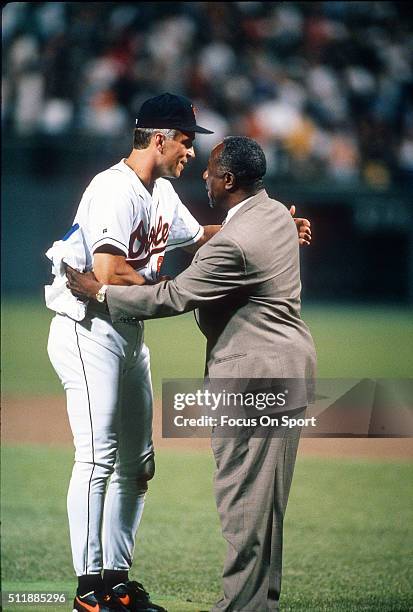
245	282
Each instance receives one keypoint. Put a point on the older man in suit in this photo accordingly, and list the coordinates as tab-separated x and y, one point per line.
246	284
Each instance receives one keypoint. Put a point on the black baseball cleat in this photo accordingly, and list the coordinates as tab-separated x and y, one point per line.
95	602
134	598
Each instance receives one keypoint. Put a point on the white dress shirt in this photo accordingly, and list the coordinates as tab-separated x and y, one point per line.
235	208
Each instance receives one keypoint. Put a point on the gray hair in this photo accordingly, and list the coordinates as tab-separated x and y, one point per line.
142	136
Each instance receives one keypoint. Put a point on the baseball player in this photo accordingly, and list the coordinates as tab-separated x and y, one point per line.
129	216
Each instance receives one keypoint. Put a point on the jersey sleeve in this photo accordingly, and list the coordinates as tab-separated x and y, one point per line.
111	212
185	229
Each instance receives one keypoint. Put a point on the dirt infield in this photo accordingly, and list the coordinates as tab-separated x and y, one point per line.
43	420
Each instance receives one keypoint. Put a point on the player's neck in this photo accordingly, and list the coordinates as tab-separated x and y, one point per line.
143	167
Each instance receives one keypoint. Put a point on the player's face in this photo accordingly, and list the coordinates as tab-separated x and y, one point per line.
214	179
177	153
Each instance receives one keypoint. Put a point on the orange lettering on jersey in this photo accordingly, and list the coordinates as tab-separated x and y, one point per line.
159	264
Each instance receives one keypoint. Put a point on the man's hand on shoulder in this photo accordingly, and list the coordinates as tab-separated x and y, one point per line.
303	228
82	285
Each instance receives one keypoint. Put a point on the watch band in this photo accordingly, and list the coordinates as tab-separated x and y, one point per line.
101	294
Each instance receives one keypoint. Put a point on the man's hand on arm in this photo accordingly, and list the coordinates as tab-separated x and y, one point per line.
82	285
109	268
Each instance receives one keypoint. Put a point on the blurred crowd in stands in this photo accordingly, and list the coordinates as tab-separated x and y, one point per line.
325	87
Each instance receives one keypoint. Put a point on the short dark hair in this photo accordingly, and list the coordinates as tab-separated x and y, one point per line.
142	136
244	158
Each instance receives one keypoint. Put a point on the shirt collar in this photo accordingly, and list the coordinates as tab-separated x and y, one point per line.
235	208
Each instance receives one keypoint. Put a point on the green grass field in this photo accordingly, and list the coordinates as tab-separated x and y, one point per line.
352	342
348	532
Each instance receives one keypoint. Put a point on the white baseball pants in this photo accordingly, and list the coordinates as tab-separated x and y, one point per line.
105	370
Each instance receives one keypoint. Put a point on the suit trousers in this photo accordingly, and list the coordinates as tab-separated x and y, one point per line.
252	483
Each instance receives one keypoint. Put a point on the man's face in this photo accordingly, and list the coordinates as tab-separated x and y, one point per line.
177	153
214	179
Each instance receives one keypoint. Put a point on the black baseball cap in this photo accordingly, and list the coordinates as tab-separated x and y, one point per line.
169	111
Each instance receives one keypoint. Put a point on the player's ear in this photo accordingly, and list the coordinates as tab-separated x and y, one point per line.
159	139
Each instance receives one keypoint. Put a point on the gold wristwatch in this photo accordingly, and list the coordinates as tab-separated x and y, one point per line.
101	294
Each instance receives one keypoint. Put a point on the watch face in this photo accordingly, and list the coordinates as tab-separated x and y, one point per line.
100	297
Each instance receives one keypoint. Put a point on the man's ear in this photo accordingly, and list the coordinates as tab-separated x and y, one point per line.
159	141
230	181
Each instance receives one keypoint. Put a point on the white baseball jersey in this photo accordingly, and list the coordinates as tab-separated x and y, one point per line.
105	370
117	209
